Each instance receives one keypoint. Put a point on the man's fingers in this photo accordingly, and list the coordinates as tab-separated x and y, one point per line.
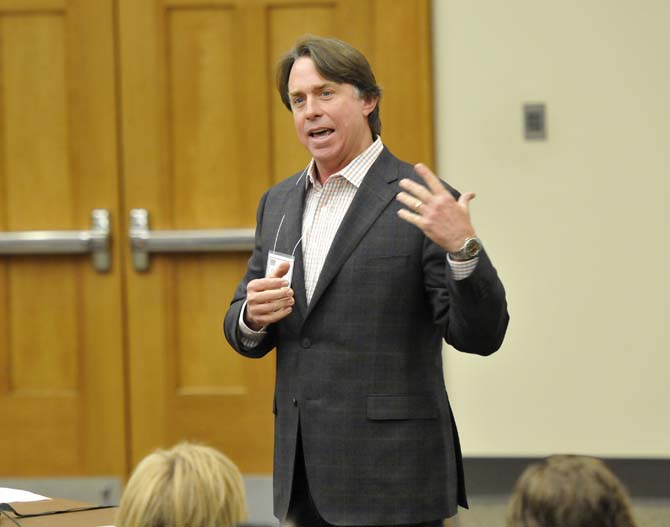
280	270
274	316
266	308
415	190
410	217
269	295
433	182
411	202
274	280
466	197
266	284
423	193
263	308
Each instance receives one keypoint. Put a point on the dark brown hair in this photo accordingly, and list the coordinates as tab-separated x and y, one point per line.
569	491
336	61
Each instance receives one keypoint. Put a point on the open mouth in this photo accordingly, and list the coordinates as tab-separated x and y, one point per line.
321	132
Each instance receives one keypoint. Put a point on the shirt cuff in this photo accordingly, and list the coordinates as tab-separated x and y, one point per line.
461	270
248	336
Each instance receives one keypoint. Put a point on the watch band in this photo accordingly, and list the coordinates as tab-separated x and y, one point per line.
471	248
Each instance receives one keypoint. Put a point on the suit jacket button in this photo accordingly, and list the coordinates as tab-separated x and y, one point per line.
295	402
306	343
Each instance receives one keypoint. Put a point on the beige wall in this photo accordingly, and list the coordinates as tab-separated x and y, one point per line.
577	225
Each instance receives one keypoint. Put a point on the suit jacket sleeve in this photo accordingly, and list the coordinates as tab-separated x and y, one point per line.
255	269
473	311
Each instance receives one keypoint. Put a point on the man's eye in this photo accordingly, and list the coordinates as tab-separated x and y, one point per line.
326	93
296	101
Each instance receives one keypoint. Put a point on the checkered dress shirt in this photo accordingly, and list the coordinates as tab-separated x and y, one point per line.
325	207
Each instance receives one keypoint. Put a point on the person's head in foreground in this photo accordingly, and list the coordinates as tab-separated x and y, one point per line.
569	491
187	486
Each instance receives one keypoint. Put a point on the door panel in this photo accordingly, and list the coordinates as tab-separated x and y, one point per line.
204	135
61	381
402	63
188	165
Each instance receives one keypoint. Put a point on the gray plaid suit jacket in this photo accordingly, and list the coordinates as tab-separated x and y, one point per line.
360	368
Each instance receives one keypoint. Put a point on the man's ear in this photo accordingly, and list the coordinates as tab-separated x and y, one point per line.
369	105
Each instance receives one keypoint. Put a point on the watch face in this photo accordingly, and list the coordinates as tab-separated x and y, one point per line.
472	248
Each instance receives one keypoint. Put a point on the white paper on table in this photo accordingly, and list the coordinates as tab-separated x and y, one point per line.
12	495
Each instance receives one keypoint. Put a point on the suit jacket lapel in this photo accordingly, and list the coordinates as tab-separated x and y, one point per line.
295	205
374	194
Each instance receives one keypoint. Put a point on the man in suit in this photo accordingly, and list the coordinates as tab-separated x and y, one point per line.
362	265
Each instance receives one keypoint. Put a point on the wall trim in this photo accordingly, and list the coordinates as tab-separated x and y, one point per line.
643	477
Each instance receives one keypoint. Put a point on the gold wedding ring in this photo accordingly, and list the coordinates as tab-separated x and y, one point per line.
417	206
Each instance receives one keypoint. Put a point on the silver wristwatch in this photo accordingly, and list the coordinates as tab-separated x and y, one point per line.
470	249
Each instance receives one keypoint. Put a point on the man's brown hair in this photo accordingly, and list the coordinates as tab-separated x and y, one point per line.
336	61
569	491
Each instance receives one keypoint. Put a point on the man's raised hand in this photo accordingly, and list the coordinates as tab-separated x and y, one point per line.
434	210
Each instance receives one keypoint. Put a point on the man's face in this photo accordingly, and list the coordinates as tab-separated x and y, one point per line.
330	118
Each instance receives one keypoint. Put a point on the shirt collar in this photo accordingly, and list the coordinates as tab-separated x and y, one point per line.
357	168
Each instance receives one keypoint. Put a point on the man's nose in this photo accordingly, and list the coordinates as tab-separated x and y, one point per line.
312	108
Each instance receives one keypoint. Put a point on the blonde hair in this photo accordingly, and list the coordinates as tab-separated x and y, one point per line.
189	485
569	491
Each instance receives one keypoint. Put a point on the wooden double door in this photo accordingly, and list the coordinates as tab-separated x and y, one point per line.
168	106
